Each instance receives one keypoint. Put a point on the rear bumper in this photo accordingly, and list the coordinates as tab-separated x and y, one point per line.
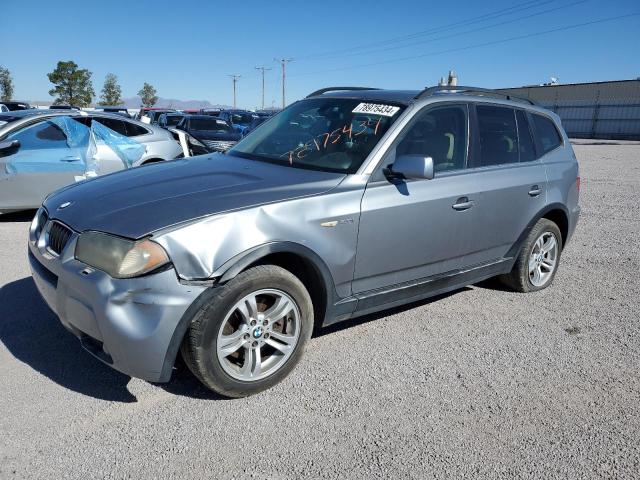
127	324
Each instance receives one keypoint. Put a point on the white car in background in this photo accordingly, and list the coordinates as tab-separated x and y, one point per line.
42	151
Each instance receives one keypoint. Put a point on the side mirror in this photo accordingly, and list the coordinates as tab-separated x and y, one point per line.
9	147
416	167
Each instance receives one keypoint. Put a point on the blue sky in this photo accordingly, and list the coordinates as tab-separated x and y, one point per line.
186	48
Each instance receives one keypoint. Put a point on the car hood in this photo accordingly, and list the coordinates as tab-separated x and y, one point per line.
134	203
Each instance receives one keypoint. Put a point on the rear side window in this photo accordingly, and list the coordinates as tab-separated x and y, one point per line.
498	135
527	150
134	130
117	126
546	132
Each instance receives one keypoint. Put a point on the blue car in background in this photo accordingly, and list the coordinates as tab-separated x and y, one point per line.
240	120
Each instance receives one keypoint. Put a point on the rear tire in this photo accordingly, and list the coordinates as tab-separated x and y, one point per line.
538	260
250	333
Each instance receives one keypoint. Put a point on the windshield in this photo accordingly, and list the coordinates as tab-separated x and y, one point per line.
330	134
242	118
173	120
208	124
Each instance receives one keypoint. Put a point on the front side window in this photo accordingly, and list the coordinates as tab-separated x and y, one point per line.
329	134
439	133
43	135
546	132
498	135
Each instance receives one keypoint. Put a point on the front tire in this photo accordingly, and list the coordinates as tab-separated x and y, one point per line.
250	333
538	260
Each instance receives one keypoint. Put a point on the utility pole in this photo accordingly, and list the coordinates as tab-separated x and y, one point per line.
283	62
263	69
235	79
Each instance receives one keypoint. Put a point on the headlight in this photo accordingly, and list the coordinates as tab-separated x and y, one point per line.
119	257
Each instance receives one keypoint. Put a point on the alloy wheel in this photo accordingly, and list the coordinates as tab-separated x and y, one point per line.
543	259
258	335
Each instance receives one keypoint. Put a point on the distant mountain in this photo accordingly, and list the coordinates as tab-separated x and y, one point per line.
134	102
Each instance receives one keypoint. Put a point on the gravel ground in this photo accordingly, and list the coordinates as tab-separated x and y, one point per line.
479	383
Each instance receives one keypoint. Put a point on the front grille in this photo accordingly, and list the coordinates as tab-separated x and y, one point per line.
40	222
58	237
219	145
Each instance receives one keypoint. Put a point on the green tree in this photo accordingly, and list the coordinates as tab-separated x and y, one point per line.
6	85
111	91
148	95
71	85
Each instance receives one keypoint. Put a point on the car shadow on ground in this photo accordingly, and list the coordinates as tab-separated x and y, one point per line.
23	216
336	327
34	336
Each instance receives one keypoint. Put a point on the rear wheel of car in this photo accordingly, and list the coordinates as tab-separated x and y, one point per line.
251	332
538	260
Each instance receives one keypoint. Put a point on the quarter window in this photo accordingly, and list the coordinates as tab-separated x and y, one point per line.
546	132
439	133
498	135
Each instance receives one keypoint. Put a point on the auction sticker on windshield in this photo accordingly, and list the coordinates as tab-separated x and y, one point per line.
376	109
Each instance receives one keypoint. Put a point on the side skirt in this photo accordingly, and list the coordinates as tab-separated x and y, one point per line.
408	292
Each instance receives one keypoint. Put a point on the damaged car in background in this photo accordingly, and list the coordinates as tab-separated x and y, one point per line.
42	151
202	134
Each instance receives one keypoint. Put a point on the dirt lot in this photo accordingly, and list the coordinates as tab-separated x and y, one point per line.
480	383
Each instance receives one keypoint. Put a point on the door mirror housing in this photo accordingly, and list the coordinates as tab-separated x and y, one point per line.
411	167
9	147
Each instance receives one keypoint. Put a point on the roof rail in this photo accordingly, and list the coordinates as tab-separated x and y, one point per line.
338	89
429	91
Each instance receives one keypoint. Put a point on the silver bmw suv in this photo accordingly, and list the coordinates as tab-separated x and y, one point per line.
350	201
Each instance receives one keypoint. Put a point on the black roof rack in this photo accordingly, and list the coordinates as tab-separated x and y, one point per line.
338	89
427	92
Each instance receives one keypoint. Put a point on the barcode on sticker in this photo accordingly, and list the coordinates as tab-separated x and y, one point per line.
376	109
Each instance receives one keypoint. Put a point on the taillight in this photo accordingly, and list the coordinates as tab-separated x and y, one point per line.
578	184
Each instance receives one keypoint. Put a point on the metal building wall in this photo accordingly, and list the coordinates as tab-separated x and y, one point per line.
606	110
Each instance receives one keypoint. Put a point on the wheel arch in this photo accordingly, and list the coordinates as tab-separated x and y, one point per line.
298	259
557	213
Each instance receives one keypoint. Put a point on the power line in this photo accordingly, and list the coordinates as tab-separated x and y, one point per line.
262	69
235	79
478	19
283	62
474	30
473	46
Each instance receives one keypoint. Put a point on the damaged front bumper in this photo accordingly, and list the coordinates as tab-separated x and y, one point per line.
128	324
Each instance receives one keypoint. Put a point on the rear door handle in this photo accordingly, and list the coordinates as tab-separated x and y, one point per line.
535	191
463	203
70	159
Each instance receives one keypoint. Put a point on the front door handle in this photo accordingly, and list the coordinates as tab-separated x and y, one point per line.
535	191
463	203
70	158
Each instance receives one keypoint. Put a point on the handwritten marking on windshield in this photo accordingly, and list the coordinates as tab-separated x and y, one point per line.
333	137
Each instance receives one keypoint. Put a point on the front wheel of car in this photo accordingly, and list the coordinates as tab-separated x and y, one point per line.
250	333
538	260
